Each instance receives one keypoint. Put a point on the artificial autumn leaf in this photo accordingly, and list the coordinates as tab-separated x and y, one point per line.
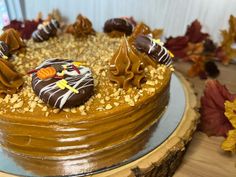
213	121
193	49
198	67
211	68
209	46
230	112
157	33
229	38
194	32
177	46
221	55
25	28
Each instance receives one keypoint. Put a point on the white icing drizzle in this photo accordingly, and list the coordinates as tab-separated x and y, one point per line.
1	51
75	80
54	23
48	31
165	58
66	96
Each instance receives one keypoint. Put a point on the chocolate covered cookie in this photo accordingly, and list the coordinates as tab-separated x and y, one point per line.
62	83
122	25
153	48
45	31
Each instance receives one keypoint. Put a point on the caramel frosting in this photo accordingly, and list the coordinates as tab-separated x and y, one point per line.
126	67
109	128
10	80
12	38
81	28
141	28
144	29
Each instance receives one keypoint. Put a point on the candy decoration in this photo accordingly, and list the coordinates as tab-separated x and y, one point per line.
62	84
122	25
76	69
46	31
154	49
46	73
67	88
4	50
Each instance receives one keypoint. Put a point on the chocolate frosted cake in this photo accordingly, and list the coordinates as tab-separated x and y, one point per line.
90	99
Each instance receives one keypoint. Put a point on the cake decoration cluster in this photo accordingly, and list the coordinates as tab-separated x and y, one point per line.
117	66
66	86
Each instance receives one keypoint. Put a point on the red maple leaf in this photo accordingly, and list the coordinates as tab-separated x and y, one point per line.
177	45
194	32
213	120
25	28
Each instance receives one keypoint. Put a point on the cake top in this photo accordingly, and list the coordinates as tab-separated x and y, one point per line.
100	53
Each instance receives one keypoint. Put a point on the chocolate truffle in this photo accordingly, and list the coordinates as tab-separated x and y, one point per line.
118	24
153	48
44	32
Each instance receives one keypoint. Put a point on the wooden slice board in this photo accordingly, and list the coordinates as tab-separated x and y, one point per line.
164	160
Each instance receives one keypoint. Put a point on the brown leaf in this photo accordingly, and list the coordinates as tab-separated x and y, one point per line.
194	32
226	53
198	67
213	120
157	33
26	28
194	49
177	46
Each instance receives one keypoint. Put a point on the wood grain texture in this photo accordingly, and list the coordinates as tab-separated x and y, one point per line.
204	157
172	15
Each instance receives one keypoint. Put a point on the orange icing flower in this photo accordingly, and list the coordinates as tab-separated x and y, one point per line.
46	73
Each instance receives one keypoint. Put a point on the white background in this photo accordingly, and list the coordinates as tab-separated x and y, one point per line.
172	15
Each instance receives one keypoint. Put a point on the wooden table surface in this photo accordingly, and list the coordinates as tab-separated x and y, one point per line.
204	157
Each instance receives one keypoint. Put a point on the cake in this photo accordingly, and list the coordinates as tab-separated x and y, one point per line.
126	92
